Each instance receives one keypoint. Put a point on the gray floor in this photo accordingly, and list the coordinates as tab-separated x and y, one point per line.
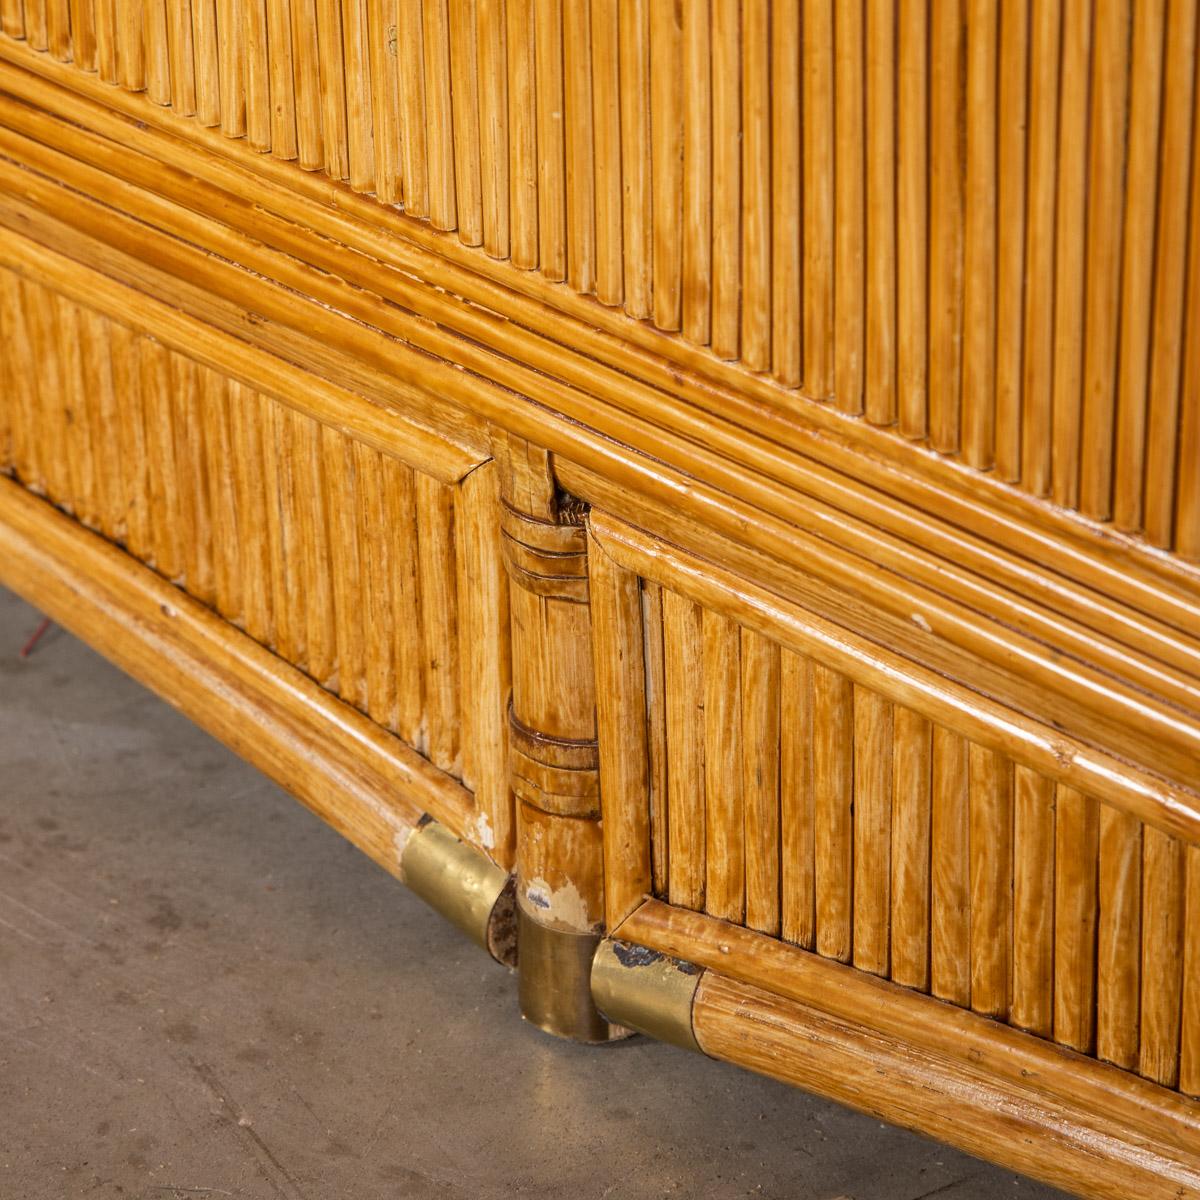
205	992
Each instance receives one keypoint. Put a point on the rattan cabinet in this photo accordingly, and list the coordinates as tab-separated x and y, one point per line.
706	492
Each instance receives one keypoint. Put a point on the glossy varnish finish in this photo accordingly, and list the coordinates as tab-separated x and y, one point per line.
734	464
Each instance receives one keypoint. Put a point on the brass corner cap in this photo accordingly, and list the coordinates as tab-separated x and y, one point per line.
645	990
465	886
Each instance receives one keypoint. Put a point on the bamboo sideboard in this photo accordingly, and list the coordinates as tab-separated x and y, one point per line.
706	492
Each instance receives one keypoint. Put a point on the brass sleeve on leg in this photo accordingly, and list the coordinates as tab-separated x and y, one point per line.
646	991
465	886
555	988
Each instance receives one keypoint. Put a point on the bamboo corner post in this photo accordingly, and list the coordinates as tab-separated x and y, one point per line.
553	749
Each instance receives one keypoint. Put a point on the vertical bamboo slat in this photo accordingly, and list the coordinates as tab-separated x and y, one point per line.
376	565
258	73
1175	153
106	37
405	602
182	59
1033	902
1012	118
438	114
666	139
332	59
158	51
880	206
1120	937
1162	956
756	192
35	25
950	878
849	205
207	62
493	126
786	210
912	218
580	156
1070	245
724	821
188	394
1137	267
991	831
414	149
726	176
381	17
152	479
341	503
760	740
320	626
797	818
683	648
551	179
1038	370
606	117
910	852
872	831
131	59
12	19
1189	1052
83	34
139	380
439	619
656	735
636	174
697	171
284	142
833	794
1187	487
979	239
218	444
360	138
1077	832
464	96
1106	196
291	617
947	170
253	507
58	29
522	134
232	67
818	202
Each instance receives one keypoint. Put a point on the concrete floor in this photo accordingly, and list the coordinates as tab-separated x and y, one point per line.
205	992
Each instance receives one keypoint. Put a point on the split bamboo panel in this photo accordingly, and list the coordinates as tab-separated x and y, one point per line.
1003	294
792	801
382	583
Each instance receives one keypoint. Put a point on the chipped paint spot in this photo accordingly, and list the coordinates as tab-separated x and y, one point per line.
629	955
920	622
485	835
566	907
400	842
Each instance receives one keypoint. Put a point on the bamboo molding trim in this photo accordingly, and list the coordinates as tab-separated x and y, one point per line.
835	489
1012	1123
1012	733
458	385
376	423
931	1027
931	481
369	786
